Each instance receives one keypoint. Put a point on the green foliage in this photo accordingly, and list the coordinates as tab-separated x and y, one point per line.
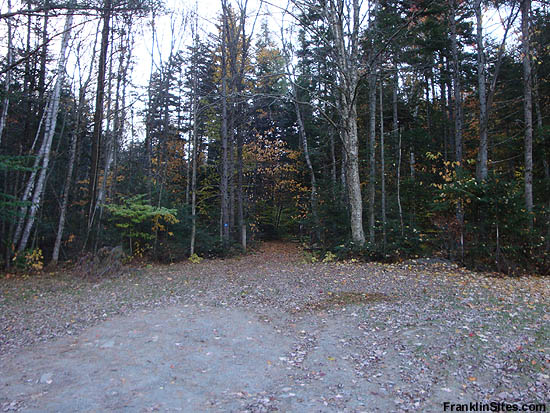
10	204
15	163
139	221
496	225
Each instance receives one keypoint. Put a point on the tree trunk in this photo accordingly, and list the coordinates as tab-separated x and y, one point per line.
333	164
98	114
382	171
65	199
372	151
458	115
30	183
194	140
194	167
345	28
352	176
49	131
72	158
27	132
428	106
445	110
395	118
456	86
481	170
7	84
545	163
240	195
224	181
527	104
148	122
399	184
451	109
231	160
43	61
314	201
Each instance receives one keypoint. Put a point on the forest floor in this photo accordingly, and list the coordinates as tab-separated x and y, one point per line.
269	332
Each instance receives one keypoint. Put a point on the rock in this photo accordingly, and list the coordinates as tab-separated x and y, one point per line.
46	378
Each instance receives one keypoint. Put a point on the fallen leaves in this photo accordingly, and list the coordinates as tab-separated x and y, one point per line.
430	325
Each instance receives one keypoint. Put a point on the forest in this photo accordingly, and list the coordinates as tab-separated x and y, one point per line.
378	130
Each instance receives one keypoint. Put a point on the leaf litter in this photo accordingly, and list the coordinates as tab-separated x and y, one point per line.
367	336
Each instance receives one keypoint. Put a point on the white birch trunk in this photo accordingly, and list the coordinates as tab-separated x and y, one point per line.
7	84
51	120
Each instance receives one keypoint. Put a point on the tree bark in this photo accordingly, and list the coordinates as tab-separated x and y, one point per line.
333	164
224	181
445	110
457	88
545	163
481	170
49	131
65	199
345	29
527	104
194	167
43	60
399	184
382	171
27	193
314	201
397	136
372	151
98	114
7	84
194	139
353	181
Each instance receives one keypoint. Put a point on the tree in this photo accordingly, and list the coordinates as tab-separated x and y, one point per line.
98	115
527	103
344	17
7	81
49	131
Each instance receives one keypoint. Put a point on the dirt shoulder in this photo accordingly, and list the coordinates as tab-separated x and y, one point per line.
269	332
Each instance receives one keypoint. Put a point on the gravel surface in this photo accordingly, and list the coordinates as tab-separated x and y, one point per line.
270	332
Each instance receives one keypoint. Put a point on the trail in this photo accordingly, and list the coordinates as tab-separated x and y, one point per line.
268	332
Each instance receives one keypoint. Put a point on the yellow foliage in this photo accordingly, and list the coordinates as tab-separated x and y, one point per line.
195	259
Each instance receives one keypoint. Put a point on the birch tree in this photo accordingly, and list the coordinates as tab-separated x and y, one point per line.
49	131
344	19
7	81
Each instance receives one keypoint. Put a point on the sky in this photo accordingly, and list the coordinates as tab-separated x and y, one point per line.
172	29
208	12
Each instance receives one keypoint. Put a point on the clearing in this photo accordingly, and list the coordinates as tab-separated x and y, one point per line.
269	332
